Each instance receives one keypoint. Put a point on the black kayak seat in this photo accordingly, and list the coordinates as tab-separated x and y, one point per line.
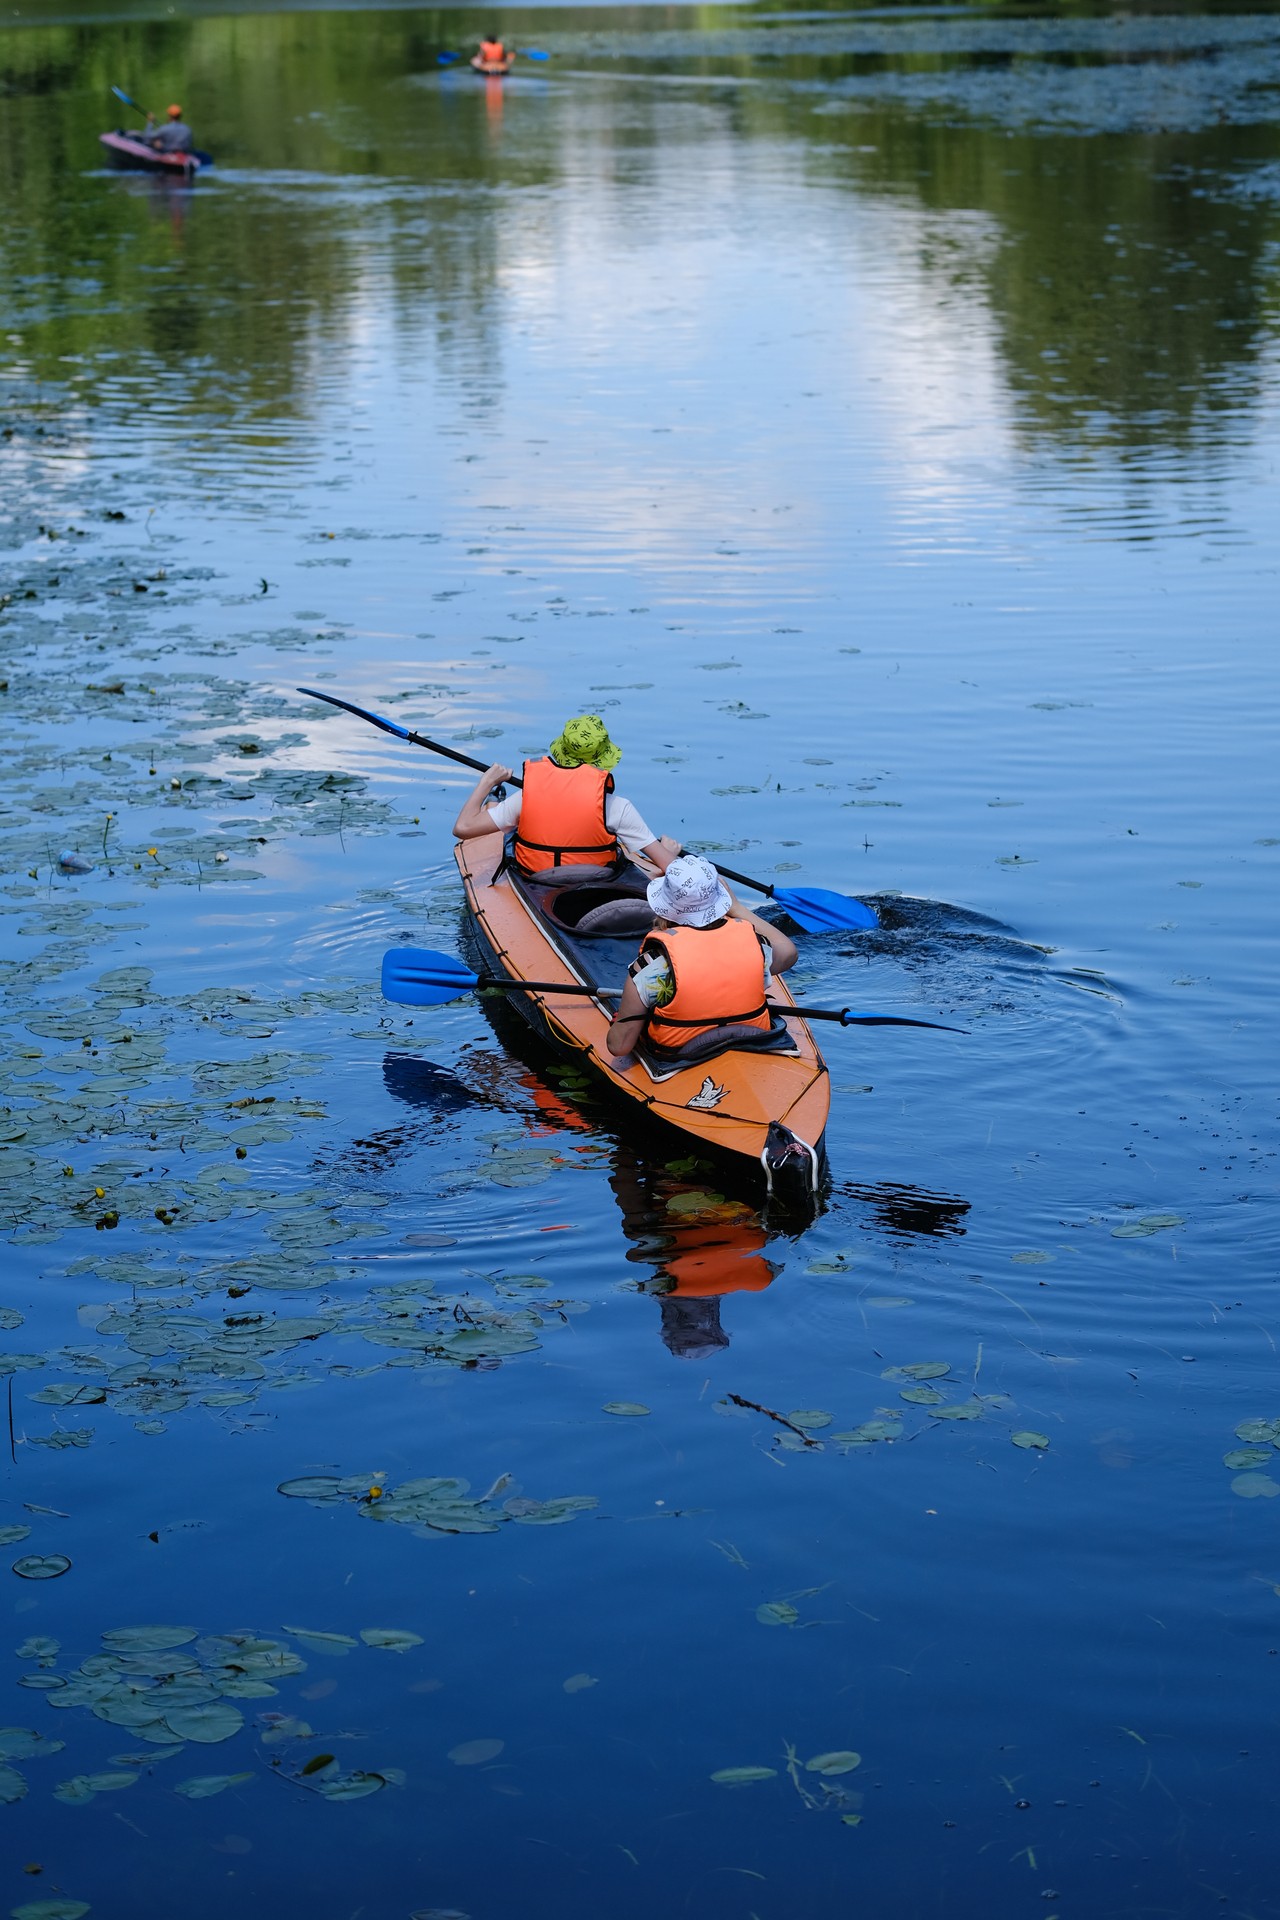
706	1046
605	911
567	876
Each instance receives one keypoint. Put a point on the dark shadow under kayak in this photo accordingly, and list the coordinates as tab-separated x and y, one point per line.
123	150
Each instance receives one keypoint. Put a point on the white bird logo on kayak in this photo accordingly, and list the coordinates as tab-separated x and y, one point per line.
708	1095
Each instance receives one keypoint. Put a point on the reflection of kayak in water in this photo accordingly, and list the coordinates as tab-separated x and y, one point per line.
138	156
493	69
761	1097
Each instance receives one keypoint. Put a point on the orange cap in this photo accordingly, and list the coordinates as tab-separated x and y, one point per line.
175	113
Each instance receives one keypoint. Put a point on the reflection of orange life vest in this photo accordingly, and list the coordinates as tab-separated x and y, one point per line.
706	1261
719	977
492	52
562	819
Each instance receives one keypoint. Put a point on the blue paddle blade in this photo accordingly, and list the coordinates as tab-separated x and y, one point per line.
417	977
446	59
533	53
818	911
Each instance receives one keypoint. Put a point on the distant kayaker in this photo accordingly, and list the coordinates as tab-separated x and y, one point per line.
175	136
492	53
708	963
568	821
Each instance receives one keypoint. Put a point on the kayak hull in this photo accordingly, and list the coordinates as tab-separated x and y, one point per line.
729	1102
492	69
135	156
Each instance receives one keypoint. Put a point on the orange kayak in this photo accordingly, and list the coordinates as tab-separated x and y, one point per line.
764	1103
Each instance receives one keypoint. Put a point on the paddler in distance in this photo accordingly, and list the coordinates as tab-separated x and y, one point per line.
568	822
492	54
175	136
707	964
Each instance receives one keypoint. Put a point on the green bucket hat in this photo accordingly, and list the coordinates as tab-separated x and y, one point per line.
584	742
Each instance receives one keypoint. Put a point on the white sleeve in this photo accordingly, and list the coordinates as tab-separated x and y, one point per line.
621	818
505	813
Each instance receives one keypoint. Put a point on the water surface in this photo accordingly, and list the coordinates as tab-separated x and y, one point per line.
873	416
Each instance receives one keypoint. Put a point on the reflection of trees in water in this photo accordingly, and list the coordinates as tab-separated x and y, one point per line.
1130	307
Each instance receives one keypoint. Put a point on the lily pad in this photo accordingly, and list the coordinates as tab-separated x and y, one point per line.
12	1786
831	1764
474	1753
918	1370
1149	1223
743	1776
1026	1438
1261	1432
147	1639
10	1536
207	1724
206	1785
41	1566
812	1419
1255	1486
628	1409
24	1743
335	1644
51	1910
777	1613
352	1786
390	1639
1238	1459
921	1396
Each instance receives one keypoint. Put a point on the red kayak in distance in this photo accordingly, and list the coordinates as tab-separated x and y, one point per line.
136	156
493	69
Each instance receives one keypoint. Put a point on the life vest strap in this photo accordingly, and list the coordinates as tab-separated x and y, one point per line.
710	1020
543	846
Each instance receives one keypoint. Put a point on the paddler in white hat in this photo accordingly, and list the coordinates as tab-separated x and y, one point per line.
707	965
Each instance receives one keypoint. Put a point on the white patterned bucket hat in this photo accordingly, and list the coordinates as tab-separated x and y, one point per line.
690	892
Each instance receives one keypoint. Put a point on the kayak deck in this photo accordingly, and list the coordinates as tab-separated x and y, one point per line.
492	69
727	1100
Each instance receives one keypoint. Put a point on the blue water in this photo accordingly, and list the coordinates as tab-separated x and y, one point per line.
873	417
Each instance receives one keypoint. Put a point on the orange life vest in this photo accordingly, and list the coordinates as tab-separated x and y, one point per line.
719	978
562	819
492	52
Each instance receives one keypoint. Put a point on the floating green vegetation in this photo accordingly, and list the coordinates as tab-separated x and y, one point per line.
432	1506
1146	1225
158	1357
927	1383
170	1687
826	1768
1262	1441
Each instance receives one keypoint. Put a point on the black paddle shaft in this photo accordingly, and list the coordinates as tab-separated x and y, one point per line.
845	1015
463	759
403	733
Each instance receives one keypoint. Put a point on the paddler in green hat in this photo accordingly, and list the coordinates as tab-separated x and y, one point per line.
569	823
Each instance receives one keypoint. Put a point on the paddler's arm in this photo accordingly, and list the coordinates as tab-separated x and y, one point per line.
784	949
628	1022
475	818
660	853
